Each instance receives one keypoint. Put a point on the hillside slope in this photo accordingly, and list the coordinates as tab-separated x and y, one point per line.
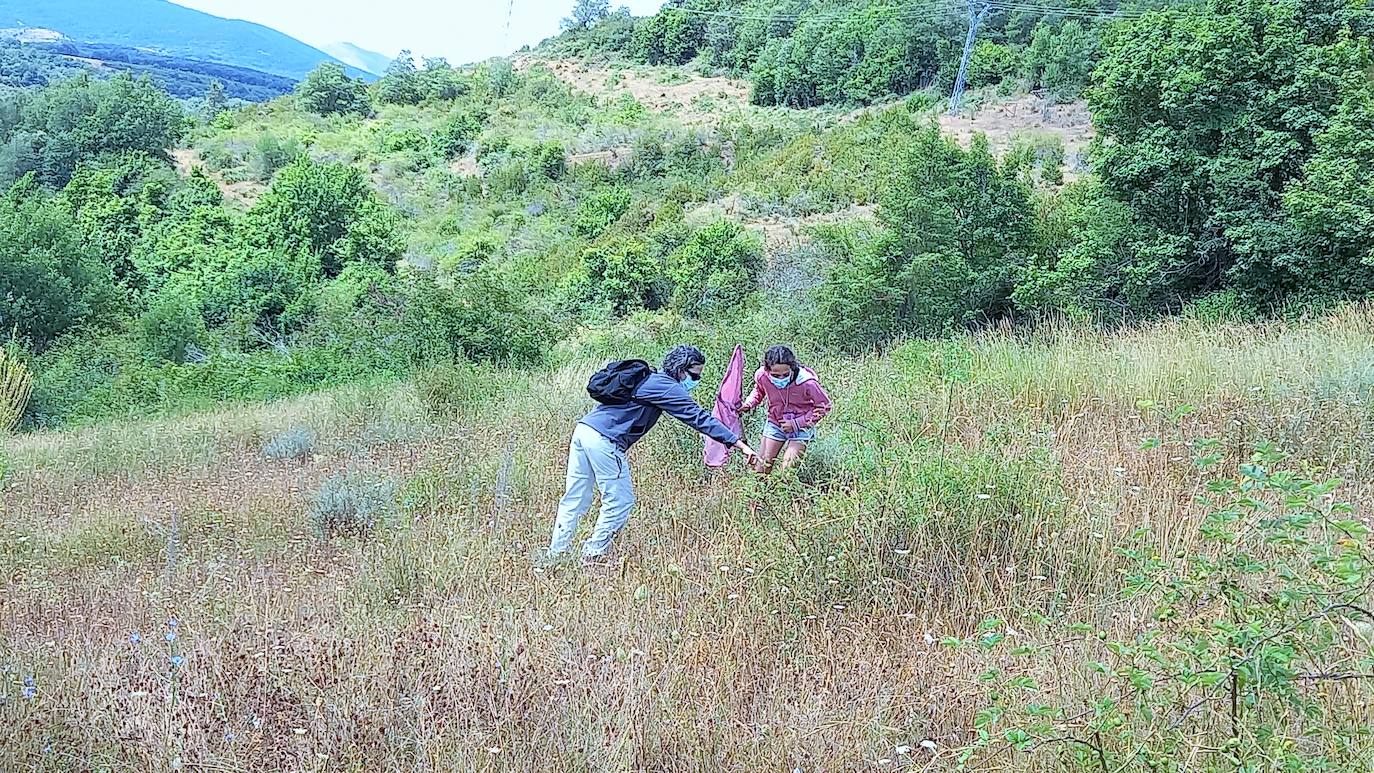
164	27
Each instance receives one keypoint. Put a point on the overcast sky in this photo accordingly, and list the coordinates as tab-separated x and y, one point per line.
463	31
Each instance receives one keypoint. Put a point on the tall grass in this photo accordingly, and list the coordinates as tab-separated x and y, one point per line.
746	624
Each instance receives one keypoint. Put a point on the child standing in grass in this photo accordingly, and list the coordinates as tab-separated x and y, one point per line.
796	404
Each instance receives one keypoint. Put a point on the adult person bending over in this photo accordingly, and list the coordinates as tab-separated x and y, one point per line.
604	436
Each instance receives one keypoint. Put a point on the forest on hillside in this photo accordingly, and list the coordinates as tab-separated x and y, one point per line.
445	213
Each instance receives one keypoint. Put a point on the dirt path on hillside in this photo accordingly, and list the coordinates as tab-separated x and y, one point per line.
1029	115
694	98
244	193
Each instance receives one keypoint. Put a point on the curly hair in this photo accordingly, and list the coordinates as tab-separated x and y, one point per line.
681	359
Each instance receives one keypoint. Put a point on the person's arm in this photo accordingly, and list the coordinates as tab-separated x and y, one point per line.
675	402
823	405
755	399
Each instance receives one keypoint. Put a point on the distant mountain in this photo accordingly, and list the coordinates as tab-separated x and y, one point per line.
367	61
162	27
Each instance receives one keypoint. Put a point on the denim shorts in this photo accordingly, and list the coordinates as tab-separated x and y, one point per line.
774	432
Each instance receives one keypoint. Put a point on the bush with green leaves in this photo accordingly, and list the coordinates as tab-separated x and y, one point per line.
329	91
330	212
600	211
715	269
51	281
172	327
622	274
459	132
1246	631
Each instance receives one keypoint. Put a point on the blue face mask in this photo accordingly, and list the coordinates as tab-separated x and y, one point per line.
690	383
781	383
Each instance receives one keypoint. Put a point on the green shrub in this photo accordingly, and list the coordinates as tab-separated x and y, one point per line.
549	159
172	327
458	133
331	212
270	154
329	91
717	267
599	211
623	275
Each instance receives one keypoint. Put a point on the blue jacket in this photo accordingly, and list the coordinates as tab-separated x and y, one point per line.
624	425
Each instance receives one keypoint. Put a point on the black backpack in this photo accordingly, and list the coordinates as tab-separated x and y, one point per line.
616	383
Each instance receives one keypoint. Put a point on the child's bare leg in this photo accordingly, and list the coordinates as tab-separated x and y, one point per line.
768	451
795	451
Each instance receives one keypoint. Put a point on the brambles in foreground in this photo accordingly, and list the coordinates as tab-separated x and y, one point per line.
1245	659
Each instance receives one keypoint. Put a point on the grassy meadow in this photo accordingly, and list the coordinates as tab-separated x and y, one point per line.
962	550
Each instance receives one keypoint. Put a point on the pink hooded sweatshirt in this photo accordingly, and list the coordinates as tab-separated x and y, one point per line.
803	401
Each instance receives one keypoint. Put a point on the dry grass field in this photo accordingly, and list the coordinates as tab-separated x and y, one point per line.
167	602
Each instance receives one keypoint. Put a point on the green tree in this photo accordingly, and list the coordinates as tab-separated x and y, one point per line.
672	36
400	85
329	91
1061	59
439	80
1206	115
717	267
586	13
328	211
51	131
216	101
1332	206
50	280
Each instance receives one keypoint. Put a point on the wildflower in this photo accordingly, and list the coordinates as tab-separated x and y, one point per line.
903	749
170	636
229	736
928	745
172	624
134	638
177	661
30	688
